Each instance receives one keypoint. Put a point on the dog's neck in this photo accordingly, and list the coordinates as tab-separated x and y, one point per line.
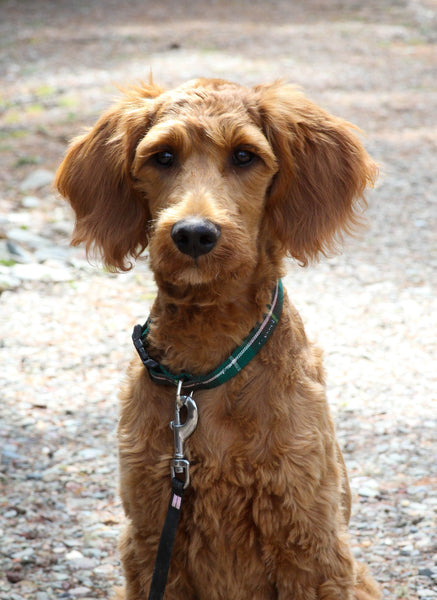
194	329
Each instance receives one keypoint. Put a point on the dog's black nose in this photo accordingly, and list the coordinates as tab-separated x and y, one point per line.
195	236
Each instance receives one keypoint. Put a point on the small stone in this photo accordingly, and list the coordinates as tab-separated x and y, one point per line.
79	592
35	476
90	453
367	492
80	561
74	555
53	253
407	550
30	202
10	451
104	570
14	576
23	555
85	564
18	254
426	593
27	237
425	544
37	272
425	572
37	179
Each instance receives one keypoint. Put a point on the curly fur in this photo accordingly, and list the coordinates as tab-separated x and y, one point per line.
267	512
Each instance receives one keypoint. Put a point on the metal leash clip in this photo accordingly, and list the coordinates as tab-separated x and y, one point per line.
182	431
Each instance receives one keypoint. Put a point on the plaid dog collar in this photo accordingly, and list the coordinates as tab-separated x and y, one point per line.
230	367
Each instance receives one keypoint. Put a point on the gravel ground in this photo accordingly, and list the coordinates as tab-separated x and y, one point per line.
65	325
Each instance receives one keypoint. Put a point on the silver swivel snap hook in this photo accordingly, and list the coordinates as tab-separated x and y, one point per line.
182	431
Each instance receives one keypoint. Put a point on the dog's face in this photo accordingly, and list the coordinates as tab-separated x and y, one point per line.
213	177
205	168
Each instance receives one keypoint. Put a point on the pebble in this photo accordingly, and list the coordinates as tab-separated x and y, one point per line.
79	561
18	254
37	179
90	453
74	555
426	593
426	572
28	238
79	592
39	272
368	488
30	202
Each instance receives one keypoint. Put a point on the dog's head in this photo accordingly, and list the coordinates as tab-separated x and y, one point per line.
214	177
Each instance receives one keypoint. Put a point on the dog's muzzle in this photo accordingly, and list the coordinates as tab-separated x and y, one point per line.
195	236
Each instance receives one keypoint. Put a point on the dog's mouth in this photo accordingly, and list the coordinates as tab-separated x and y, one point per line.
195	251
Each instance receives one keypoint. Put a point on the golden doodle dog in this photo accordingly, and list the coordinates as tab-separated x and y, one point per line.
221	182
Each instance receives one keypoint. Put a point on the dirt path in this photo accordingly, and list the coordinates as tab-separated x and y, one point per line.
64	327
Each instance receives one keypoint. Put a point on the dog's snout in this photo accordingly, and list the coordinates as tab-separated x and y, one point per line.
195	236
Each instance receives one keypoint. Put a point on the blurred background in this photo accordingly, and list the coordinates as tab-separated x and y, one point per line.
65	324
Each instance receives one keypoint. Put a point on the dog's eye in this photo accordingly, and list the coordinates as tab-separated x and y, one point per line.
164	158
243	158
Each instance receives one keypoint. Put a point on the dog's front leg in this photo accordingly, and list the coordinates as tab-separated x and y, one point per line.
304	541
301	575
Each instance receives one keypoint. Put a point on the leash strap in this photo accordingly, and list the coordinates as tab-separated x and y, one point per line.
166	543
230	367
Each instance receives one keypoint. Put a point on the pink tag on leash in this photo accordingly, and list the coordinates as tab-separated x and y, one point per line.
176	502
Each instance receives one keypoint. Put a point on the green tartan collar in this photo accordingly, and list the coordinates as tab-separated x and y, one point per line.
230	367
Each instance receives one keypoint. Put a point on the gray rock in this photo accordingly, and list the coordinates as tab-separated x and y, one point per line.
28	238
37	179
18	254
426	593
80	592
425	572
58	253
90	453
30	202
37	272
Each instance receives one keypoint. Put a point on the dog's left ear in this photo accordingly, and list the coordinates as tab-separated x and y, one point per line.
323	172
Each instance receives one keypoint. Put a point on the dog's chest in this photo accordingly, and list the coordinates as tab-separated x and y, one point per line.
230	432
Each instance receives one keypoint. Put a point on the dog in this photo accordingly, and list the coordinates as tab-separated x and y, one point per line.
221	182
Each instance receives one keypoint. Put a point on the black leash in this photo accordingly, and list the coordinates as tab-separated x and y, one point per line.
166	542
179	466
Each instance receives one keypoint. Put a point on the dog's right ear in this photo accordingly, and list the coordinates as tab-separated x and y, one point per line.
111	217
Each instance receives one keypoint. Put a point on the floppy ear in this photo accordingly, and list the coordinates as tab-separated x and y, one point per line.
323	172
111	217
